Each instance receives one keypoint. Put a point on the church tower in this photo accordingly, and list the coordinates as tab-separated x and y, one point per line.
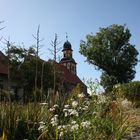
67	59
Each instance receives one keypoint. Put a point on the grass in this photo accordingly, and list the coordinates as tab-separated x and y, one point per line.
76	118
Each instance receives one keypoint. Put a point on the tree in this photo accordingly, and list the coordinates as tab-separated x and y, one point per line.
54	52
110	51
7	63
23	70
37	38
1	27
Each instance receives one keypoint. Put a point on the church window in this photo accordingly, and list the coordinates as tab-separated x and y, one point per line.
68	65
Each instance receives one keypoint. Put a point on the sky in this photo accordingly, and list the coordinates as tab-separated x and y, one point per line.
76	17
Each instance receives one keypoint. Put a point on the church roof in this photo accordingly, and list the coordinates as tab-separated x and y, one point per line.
67	46
70	77
67	59
3	66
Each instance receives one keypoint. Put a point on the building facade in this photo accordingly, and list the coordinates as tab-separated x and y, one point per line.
68	67
3	72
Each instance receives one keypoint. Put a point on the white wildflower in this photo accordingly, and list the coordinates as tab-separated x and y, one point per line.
94	113
85	124
102	99
64	126
41	123
61	134
55	106
54	120
74	112
116	86
66	106
87	102
66	114
71	99
41	127
73	122
70	110
65	110
74	127
52	109
85	108
56	115
81	95
43	104
59	127
126	104
74	104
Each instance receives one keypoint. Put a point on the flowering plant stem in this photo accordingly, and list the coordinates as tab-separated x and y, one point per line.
56	131
74	136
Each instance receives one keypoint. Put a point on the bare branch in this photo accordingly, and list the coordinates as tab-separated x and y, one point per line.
2	27
38	47
34	37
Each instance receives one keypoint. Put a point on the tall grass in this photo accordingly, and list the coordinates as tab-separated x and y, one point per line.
21	121
76	118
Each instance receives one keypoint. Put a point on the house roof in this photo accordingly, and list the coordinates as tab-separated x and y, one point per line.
3	65
70	77
67	75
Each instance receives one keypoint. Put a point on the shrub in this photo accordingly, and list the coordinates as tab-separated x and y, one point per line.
130	90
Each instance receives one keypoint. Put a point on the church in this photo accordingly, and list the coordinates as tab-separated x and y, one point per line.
67	67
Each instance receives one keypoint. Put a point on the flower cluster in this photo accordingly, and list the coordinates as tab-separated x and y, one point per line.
71	114
85	124
52	109
54	120
42	126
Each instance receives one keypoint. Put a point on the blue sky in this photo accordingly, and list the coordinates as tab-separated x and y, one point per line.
76	17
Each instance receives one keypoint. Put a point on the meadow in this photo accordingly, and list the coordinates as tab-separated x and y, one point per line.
99	117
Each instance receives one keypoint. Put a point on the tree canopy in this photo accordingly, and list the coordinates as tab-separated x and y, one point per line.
23	69
110	51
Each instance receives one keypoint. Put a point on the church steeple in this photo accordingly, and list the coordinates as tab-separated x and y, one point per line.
67	59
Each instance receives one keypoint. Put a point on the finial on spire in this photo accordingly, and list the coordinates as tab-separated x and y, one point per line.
66	36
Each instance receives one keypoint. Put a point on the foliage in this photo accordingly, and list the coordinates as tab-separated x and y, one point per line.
110	51
130	90
73	119
94	87
23	63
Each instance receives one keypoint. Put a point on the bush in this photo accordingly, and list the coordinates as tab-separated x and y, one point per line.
130	90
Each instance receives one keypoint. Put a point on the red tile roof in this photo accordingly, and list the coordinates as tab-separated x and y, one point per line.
3	67
69	77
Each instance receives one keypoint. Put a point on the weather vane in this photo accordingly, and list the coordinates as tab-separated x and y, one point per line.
66	36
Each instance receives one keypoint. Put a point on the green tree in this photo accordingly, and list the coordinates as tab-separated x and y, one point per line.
23	70
110	51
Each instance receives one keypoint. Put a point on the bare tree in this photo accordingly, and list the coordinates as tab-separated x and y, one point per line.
1	23
42	75
38	47
54	52
1	28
